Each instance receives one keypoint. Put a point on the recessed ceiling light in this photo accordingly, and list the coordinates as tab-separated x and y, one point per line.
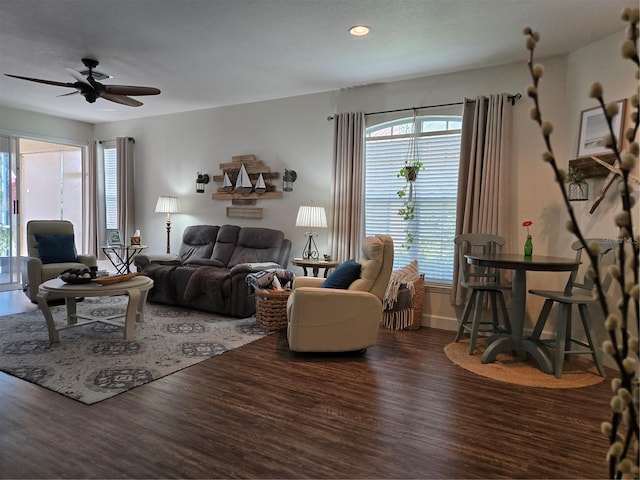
359	30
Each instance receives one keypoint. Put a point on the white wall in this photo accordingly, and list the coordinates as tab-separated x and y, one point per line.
290	133
46	127
601	62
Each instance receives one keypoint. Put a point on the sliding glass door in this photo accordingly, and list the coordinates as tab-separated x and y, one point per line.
9	265
51	178
39	180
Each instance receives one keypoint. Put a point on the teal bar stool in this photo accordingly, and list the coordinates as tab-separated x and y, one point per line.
579	294
481	281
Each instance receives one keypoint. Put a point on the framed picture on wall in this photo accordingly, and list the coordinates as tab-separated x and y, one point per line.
594	130
114	237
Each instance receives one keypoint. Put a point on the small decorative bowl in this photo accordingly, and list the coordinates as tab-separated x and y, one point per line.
77	281
75	276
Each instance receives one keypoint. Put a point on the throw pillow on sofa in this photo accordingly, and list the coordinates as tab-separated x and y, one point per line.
343	276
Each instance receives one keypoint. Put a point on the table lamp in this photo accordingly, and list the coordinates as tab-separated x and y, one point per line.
311	217
168	205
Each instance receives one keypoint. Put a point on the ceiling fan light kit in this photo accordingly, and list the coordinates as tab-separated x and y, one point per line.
87	86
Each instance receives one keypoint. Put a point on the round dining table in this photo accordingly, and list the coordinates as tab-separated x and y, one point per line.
520	264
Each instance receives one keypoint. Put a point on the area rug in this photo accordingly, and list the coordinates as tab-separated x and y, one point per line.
95	362
579	372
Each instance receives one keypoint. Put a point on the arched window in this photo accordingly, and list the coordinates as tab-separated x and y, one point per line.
429	237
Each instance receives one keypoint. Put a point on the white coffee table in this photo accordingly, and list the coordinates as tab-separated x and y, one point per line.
136	289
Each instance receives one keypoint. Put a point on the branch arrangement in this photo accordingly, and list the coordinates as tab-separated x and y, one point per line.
623	431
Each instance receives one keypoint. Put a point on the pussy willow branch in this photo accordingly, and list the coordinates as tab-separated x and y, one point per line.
549	156
618	449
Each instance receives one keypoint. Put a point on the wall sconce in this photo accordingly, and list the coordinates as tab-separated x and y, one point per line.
201	181
288	178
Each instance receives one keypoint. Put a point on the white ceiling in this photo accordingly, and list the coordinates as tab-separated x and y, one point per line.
210	53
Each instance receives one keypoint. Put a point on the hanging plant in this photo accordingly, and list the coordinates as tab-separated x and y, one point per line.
574	176
578	189
409	172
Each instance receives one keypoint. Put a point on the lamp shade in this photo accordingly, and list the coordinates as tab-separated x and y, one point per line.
168	205
314	217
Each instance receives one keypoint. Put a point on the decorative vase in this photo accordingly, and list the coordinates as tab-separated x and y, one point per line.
528	247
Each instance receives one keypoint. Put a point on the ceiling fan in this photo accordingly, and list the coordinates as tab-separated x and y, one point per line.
91	89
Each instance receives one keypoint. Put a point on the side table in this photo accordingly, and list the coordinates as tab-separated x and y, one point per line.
315	265
121	256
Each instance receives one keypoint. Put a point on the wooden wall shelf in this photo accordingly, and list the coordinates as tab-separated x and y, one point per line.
239	196
244	212
590	168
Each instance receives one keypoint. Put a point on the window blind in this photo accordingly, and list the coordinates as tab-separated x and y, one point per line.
111	187
435	194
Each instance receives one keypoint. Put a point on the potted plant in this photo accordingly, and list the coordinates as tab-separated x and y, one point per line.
578	189
410	170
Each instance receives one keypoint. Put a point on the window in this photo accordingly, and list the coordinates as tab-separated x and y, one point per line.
110	184
433	229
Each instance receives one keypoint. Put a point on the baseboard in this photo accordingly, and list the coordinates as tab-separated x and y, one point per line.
439	322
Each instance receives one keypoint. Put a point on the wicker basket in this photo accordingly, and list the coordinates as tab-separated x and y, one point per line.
271	309
418	303
397	319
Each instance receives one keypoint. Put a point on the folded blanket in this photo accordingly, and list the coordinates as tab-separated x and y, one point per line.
405	276
162	276
265	279
401	315
207	281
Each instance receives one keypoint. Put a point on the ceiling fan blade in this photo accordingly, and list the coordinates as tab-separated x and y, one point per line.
46	82
71	93
78	76
130	90
123	99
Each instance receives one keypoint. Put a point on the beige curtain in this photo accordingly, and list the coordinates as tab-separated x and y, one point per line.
483	177
125	168
92	188
347	190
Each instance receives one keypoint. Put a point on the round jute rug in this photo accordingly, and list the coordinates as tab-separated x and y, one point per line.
576	373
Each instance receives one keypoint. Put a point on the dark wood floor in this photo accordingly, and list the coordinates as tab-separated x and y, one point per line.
401	410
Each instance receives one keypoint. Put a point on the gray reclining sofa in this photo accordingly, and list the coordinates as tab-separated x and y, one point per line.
209	273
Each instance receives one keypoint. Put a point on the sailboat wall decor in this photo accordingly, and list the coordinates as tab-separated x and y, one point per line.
227	186
243	182
260	187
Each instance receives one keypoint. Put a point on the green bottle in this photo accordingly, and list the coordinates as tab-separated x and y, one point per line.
528	247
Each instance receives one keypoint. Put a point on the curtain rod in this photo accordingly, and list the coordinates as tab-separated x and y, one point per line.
131	139
513	98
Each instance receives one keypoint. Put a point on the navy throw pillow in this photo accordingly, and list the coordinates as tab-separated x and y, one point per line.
343	276
56	248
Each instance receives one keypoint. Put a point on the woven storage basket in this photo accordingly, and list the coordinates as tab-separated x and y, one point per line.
418	303
397	319
271	309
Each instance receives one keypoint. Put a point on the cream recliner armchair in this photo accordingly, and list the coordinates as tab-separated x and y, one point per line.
36	271
335	320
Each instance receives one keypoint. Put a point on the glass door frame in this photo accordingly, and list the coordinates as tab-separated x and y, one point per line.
16	222
9	256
